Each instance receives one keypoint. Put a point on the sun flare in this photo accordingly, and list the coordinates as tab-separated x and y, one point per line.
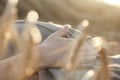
112	2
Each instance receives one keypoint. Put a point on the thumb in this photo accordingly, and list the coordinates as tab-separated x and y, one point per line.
62	32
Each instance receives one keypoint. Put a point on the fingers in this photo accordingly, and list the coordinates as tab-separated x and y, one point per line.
62	32
70	39
68	25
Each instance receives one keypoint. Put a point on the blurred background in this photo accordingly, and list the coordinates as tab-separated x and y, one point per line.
103	15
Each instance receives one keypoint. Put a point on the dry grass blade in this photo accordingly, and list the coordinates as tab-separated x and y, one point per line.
103	73
30	50
78	45
76	49
27	54
76	53
8	30
3	42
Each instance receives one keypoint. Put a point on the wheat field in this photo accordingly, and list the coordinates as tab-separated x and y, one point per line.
100	17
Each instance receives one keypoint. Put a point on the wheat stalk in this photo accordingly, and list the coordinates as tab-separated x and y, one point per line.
103	73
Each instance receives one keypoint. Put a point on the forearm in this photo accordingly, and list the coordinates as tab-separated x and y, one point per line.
11	68
14	68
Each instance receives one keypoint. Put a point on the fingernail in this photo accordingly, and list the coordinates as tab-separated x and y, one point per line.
68	25
66	28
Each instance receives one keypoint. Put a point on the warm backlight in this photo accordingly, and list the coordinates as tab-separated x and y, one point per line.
112	2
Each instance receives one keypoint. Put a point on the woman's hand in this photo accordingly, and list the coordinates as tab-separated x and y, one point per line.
55	50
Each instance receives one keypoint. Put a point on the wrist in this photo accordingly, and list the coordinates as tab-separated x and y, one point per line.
41	62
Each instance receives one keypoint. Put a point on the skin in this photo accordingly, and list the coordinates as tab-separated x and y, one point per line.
54	52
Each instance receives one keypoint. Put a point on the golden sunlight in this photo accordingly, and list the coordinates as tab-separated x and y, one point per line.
88	75
36	35
32	16
8	35
97	43
13	1
85	23
112	2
